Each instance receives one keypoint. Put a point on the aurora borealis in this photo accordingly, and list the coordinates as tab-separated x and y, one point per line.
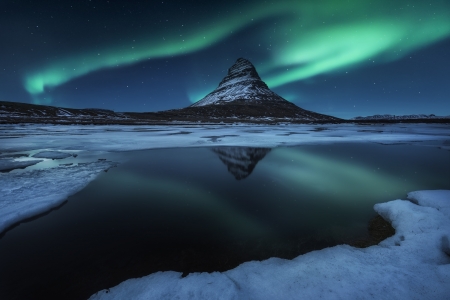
343	58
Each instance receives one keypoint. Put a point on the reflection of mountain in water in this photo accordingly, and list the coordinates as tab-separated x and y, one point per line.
241	160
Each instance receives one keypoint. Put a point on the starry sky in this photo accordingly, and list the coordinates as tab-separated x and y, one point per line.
344	58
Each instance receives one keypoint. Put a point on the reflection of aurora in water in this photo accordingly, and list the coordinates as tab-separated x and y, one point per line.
314	174
310	38
179	209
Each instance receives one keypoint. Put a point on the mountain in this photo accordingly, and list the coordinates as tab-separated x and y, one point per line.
240	160
243	95
404	117
241	84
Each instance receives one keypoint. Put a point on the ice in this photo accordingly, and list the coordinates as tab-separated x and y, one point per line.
7	165
125	138
52	154
412	264
28	193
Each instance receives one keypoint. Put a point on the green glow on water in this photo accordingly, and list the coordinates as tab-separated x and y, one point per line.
178	198
320	175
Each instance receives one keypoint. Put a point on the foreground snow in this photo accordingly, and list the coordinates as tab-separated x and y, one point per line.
412	264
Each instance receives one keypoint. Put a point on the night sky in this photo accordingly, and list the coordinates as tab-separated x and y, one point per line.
344	58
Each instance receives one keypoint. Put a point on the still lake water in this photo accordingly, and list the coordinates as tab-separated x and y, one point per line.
209	209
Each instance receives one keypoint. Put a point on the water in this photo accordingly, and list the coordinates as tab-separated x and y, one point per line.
209	209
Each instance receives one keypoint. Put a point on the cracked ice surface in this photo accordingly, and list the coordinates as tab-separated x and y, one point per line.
412	264
124	138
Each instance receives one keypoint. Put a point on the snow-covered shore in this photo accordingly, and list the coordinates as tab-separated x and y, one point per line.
412	264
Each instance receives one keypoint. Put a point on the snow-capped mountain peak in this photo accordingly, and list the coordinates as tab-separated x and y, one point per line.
241	83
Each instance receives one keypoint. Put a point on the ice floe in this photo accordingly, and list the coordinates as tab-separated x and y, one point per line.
7	165
412	264
26	194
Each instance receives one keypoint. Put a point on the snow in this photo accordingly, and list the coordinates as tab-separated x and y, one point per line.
409	265
237	88
26	194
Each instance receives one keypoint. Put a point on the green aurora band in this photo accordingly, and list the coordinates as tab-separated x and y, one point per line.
313	37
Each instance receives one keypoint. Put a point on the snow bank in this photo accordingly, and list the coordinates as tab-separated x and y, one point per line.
28	193
412	264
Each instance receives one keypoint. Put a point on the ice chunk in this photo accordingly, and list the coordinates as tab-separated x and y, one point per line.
26	194
52	154
7	165
412	264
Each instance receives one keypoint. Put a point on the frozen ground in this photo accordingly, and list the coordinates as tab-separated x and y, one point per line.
412	264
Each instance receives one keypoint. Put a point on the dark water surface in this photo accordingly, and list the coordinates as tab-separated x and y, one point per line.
205	209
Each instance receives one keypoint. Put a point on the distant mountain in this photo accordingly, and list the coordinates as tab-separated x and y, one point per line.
404	117
21	112
241	160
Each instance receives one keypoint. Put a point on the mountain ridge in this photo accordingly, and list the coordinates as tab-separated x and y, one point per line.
402	117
